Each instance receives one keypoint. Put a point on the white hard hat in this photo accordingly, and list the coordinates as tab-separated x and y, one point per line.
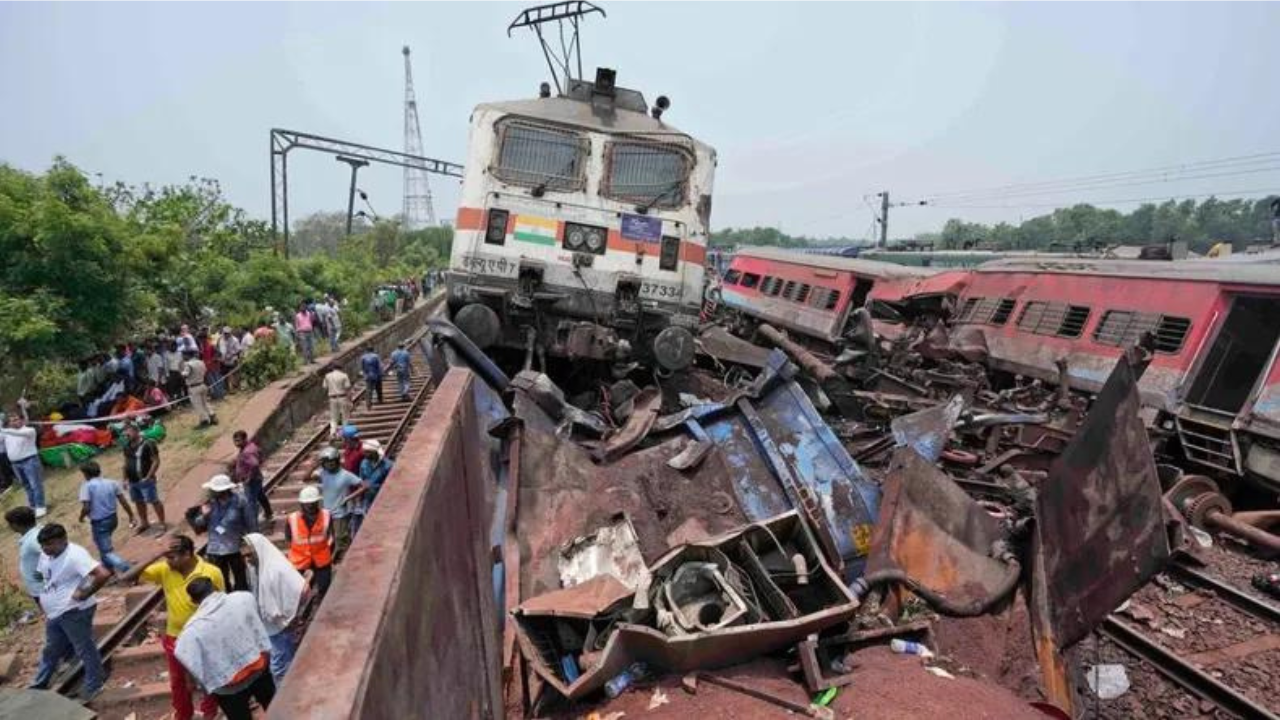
371	446
219	483
310	494
330	453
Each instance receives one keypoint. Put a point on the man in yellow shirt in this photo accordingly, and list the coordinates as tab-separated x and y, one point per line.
172	570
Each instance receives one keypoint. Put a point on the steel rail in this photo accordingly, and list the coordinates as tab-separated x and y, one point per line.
1251	604
1182	673
121	631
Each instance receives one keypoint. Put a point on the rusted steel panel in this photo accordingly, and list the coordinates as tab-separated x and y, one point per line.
409	627
1100	525
931	529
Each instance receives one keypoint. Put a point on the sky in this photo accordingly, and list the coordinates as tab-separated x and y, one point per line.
812	107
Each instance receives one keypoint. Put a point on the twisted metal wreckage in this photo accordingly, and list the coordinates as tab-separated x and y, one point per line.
729	529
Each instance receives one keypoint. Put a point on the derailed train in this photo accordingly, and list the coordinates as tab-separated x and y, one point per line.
582	227
1213	387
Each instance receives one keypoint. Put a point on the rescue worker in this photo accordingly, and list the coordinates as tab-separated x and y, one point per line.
338	387
193	372
309	532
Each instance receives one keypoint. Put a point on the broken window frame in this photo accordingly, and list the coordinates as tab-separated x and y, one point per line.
986	311
1171	331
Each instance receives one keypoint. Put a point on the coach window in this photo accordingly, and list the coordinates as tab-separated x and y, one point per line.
650	174
1046	318
540	157
750	280
731	277
1122	328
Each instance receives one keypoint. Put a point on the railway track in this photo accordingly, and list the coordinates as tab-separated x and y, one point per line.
1201	674
138	685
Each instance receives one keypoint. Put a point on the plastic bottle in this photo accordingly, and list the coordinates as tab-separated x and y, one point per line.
624	680
907	647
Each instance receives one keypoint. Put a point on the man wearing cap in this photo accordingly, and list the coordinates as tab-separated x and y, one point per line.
172	569
309	532
338	387
402	364
336	487
228	516
374	468
193	371
352	448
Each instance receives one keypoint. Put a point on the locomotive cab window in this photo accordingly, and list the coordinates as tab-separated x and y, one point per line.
649	174
539	157
669	253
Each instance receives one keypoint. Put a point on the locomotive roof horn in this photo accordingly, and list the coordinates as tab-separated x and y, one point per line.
566	16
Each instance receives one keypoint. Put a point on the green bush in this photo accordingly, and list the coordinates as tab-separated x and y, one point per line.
267	362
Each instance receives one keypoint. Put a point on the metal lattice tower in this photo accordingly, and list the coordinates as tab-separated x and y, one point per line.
418	210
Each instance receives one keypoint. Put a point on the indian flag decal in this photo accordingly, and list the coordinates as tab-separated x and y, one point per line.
533	229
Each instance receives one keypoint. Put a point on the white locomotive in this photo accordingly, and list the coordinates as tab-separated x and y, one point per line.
582	227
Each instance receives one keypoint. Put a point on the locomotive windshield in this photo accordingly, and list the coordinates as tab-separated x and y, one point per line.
540	156
646	173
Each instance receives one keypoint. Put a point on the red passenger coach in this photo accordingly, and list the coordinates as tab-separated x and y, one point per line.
807	294
1214	375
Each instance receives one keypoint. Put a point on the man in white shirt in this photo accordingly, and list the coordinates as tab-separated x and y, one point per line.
70	577
24	456
338	387
229	352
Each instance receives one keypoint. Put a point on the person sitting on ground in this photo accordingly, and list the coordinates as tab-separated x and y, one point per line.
154	398
70	577
228	517
98	500
171	570
141	466
225	649
309	532
281	593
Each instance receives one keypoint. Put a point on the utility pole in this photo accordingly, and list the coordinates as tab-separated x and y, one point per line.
884	219
356	164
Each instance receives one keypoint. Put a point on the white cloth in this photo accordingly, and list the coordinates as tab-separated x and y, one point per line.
66	428
19	443
222	638
277	585
246	341
61	576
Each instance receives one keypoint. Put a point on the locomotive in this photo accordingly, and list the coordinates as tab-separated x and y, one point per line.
582	227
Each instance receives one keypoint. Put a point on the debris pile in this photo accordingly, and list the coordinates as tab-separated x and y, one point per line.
781	507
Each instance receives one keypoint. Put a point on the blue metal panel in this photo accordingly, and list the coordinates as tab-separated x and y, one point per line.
781	455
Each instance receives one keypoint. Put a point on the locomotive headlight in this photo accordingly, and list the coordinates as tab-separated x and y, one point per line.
585	238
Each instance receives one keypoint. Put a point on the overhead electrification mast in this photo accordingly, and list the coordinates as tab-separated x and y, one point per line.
418	210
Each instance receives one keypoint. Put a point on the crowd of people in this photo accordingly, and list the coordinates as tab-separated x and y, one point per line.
234	609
